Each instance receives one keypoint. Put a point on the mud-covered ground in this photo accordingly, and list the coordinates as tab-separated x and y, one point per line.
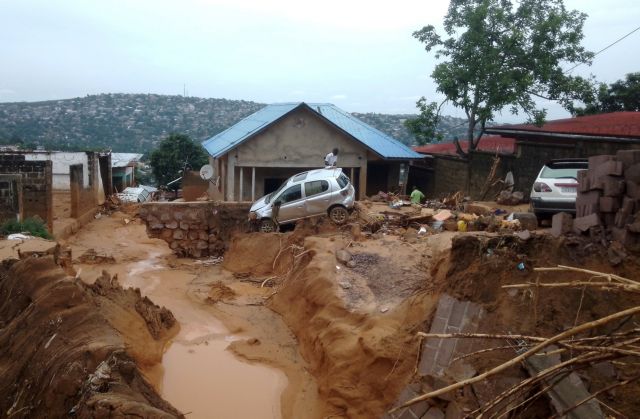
285	326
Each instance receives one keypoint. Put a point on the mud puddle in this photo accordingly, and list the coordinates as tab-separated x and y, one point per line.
198	375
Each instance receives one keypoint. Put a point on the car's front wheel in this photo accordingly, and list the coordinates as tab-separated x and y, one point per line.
267	225
338	215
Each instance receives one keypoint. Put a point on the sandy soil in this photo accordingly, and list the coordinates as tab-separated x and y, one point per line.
197	373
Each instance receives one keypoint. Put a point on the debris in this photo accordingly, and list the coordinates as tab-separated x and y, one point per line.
19	236
443	215
528	220
93	257
523	235
462	225
583	224
509	198
477	209
521	266
422	231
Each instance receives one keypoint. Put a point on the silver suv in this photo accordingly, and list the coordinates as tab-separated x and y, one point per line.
556	187
307	194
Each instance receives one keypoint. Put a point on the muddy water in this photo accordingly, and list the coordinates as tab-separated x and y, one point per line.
198	375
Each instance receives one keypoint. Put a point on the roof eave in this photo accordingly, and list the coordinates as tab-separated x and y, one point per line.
591	137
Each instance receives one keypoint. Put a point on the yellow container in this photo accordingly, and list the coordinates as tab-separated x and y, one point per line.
462	225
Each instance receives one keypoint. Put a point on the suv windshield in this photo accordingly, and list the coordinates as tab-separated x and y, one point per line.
560	172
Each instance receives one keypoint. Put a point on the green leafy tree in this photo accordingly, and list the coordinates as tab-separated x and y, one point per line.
424	126
173	155
623	95
504	54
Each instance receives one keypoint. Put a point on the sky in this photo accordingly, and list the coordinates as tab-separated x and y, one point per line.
359	55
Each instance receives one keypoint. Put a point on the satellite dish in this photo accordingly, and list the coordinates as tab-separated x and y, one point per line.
206	172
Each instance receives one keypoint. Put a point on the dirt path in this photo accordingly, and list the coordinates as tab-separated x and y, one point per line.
197	374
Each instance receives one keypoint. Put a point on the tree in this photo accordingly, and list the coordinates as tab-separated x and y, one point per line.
173	155
500	53
623	95
424	126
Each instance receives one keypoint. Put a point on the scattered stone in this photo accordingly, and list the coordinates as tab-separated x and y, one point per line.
509	198
253	341
477	209
343	256
93	257
616	253
582	224
528	220
523	235
352	264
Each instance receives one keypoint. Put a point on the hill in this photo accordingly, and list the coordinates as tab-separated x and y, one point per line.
137	122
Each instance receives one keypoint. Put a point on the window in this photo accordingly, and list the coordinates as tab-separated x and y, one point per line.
315	187
300	176
291	194
560	173
343	180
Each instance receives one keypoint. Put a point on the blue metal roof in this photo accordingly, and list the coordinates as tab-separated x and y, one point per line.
377	141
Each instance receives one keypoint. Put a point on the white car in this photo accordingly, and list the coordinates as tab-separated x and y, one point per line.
307	194
556	187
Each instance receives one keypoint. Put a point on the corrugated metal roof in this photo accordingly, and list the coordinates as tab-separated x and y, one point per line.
377	141
123	159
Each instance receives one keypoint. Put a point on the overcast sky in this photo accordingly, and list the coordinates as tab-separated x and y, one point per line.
357	54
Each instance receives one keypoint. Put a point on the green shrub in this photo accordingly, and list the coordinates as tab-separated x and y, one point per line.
32	226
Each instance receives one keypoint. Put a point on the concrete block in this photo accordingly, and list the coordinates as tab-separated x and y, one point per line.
610	167
624	236
595	161
609	204
633	189
561	223
588	203
583	224
584	183
612	186
528	220
632	173
628	157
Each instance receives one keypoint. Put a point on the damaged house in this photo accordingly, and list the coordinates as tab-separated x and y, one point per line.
254	156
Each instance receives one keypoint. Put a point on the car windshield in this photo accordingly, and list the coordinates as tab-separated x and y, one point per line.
560	172
276	192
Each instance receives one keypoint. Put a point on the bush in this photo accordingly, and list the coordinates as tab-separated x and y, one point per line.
32	226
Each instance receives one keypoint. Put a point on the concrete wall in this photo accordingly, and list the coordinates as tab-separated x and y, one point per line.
195	229
299	141
35	193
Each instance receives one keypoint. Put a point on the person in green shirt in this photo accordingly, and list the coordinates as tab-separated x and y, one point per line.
416	196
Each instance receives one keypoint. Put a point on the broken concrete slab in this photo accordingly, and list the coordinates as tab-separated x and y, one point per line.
567	392
414	411
452	316
17	249
561	223
528	220
583	224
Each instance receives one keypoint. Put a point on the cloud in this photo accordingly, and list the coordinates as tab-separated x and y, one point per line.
339	97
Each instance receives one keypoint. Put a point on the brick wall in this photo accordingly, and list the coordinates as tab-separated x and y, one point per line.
195	229
469	175
35	192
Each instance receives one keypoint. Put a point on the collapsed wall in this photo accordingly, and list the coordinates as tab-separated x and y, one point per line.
62	350
195	229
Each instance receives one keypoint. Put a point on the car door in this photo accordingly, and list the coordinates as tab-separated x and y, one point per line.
291	204
317	197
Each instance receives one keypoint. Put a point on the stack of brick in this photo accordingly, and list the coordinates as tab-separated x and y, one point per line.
609	196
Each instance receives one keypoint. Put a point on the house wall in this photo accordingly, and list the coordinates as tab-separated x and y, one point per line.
60	166
299	141
36	191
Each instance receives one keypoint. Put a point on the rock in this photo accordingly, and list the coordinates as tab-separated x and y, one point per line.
351	264
178	234
343	256
523	235
184	225
165	217
454	411
172	225
616	253
433	413
509	198
253	341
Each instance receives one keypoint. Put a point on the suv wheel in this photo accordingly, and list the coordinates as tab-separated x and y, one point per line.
267	225
338	214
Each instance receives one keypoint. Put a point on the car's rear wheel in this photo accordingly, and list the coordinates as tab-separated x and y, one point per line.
338	214
267	225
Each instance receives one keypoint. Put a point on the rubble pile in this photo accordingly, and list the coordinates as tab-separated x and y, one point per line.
608	202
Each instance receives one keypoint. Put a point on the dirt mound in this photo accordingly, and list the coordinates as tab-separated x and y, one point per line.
62	351
360	360
261	254
220	292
